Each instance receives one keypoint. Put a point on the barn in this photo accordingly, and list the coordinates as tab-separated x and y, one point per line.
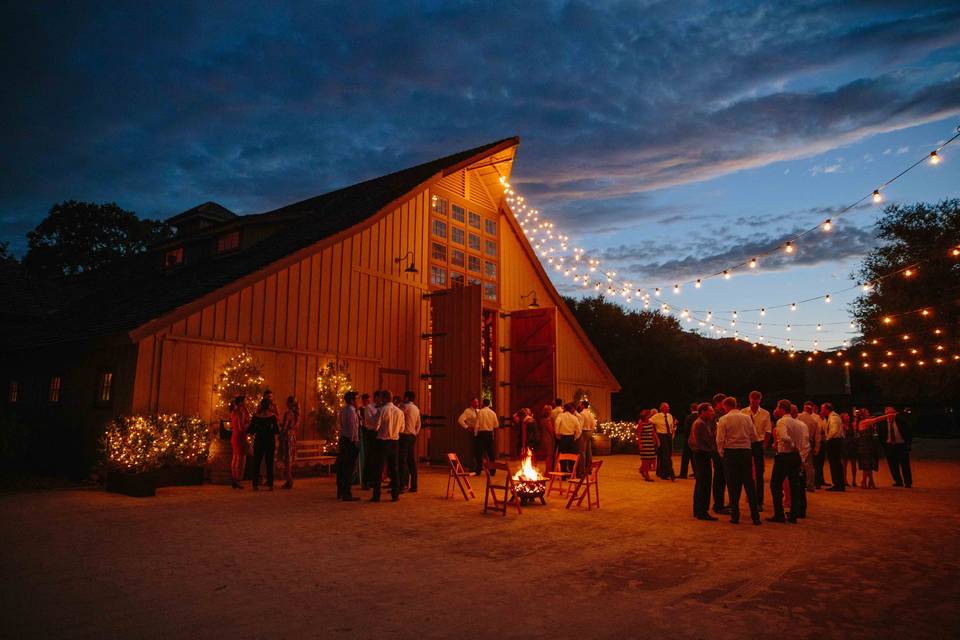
421	279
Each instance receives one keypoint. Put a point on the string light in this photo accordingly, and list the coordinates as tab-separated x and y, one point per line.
877	198
934	158
827	224
753	263
788	247
697	285
793	307
827	299
676	288
726	274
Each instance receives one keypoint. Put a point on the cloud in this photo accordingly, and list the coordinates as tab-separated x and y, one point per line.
162	106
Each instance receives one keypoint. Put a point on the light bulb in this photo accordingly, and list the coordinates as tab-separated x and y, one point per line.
656	291
763	312
789	328
827	225
877	198
726	274
753	263
934	158
908	272
788	247
697	285
827	299
819	328
676	288
793	307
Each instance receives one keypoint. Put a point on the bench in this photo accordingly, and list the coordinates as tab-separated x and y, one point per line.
312	452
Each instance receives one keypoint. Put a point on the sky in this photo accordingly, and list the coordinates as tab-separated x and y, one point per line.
669	139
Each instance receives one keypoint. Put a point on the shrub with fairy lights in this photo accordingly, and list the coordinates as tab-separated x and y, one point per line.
623	436
240	376
142	443
333	380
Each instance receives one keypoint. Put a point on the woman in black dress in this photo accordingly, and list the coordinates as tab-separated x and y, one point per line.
867	448
264	428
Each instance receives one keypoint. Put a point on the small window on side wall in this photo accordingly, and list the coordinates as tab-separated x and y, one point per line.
55	383
173	258
14	394
228	242
105	387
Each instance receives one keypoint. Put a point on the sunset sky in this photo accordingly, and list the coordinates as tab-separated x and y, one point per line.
669	139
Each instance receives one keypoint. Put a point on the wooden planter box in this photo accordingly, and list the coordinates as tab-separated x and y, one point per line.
179	476
138	485
601	444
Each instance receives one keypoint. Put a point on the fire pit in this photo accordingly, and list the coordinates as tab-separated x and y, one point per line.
528	483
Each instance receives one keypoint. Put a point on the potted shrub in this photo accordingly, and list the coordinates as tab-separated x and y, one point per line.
131	448
185	445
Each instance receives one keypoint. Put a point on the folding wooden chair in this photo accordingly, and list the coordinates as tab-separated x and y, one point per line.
558	476
499	504
581	489
459	476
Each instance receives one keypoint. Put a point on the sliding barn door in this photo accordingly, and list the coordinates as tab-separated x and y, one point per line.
533	358
455	368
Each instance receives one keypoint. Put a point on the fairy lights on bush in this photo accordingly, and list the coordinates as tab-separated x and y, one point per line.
140	443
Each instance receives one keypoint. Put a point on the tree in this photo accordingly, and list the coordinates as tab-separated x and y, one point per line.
921	237
333	381
5	255
77	237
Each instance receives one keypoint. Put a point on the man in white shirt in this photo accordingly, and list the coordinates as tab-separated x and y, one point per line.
800	510
487	422
812	422
666	426
588	422
735	433
790	435
834	437
408	443
348	420
568	427
763	426
390	423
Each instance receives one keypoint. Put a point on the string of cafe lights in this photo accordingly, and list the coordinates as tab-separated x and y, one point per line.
550	245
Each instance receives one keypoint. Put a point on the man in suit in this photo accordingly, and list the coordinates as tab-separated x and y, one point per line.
349	422
684	433
719	482
897	436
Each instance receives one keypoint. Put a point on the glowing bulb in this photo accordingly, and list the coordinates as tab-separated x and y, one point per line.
656	291
934	158
867	286
827	299
753	263
908	272
788	247
676	288
887	320
789	328
726	274
697	285
734	315
827	225
793	307
763	312
819	328
876	196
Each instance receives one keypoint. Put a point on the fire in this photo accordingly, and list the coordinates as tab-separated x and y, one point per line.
528	471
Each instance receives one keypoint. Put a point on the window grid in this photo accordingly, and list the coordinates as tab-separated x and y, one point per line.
457	213
439	228
438	276
55	383
438	252
456	235
473	219
105	388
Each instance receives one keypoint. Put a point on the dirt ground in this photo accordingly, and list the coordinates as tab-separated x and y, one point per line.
213	562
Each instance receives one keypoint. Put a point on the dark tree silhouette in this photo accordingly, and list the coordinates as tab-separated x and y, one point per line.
77	237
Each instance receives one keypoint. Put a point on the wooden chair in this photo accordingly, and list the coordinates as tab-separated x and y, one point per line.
499	504
459	476
558	477
581	489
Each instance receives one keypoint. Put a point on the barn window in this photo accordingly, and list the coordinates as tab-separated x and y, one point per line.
474	242
55	383
438	252
491	246
473	281
489	291
490	226
456	279
105	387
457	258
456	235
14	395
474	219
439	228
228	242
456	212
438	276
439	205
473	264
173	258
490	270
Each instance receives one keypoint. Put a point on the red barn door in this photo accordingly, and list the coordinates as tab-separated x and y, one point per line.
533	358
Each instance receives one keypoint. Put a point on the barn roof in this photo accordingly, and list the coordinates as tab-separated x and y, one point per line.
137	291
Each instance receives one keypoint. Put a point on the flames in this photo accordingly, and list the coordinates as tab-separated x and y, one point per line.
528	471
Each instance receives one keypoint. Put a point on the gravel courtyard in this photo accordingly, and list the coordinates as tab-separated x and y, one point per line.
213	562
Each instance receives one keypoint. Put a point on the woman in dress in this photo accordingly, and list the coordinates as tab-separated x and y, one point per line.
850	449
264	427
548	437
527	435
647	442
239	418
288	439
868	454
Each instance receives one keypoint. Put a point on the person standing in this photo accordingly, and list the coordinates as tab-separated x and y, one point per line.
348	423
588	423
735	433
568	427
684	433
528	436
264	428
666	426
390	423
408	443
703	444
800	510
468	421
897	437
834	436
867	454
763	426
548	436
288	439
850	445
812	422
239	420
789	436
487	423
368	441
646	443
719	483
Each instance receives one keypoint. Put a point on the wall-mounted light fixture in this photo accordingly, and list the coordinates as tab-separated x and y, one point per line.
411	266
533	302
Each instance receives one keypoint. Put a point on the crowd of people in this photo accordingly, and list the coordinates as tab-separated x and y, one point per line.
267	428
725	444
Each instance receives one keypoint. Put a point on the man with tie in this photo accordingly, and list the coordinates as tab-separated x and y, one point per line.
390	423
763	426
897	437
666	426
